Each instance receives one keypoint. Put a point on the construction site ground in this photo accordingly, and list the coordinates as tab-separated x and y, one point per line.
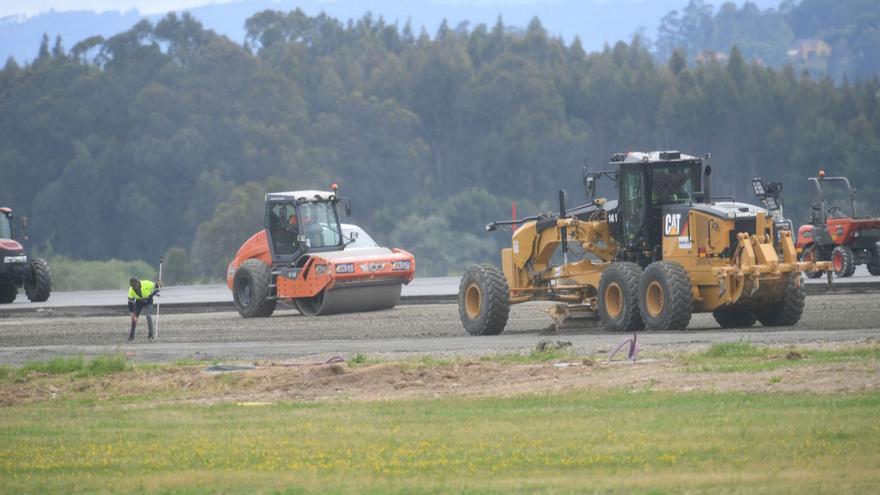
404	401
405	331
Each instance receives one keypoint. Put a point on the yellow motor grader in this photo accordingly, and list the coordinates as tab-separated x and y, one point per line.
664	250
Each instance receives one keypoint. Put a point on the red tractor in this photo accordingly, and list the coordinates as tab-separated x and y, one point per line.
15	267
836	232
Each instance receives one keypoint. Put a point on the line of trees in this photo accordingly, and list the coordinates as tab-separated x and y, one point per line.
838	38
168	135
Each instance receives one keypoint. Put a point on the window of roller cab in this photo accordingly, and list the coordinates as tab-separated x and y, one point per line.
319	224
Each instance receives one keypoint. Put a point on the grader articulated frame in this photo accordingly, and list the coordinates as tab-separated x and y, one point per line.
663	251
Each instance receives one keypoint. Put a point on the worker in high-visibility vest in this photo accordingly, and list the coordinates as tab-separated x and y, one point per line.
140	296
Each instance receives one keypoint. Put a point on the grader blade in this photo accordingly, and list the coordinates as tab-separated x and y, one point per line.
574	316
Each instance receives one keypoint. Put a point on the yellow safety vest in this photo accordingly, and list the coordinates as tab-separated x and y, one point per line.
147	289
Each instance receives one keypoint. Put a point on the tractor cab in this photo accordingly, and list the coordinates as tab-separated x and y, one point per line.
648	184
835	198
300	222
6	231
837	231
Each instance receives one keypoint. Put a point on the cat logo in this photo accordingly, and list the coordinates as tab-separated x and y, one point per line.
671	224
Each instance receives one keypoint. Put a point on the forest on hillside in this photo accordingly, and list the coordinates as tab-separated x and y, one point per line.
835	38
168	135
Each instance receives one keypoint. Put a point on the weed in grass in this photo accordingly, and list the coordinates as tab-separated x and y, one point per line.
104	365
188	362
745	357
78	366
55	366
5	372
776	379
733	349
357	359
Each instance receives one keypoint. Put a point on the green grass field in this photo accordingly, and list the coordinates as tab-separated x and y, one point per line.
620	441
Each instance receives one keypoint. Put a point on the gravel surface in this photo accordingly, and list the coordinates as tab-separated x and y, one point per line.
401	331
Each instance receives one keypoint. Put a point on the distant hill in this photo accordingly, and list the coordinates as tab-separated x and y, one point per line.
596	21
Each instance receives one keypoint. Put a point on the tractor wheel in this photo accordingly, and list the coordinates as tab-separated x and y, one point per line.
619	297
810	254
38	287
7	293
665	296
874	265
250	290
483	300
842	262
735	317
786	311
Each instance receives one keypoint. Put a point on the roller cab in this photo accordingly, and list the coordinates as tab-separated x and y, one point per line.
302	257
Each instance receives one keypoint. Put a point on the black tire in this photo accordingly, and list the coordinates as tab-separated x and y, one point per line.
735	317
619	297
874	265
7	293
843	262
665	298
786	311
39	285
812	253
251	289
483	300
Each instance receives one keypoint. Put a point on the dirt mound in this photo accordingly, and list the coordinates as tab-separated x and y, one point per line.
339	381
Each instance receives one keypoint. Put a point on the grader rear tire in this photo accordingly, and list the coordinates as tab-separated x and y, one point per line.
619	297
735	317
250	290
786	311
483	300
665	298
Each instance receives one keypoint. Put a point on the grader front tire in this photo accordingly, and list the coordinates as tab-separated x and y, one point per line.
786	311
483	300
665	296
619	297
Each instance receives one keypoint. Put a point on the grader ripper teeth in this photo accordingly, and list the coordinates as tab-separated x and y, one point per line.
661	252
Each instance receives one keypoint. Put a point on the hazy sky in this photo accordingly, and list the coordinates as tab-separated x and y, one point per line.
31	7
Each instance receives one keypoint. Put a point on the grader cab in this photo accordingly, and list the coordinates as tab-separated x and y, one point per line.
662	251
